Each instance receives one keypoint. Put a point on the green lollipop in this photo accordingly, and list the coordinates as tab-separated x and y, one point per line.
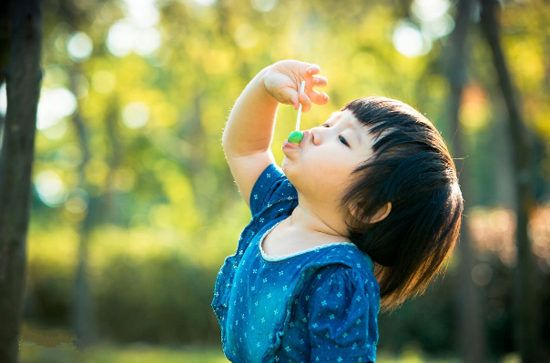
295	137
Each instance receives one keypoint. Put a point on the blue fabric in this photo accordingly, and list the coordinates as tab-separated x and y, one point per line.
320	305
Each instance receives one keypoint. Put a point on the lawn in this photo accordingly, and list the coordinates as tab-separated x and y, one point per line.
136	353
142	353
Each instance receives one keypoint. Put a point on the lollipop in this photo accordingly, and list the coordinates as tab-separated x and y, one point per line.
296	136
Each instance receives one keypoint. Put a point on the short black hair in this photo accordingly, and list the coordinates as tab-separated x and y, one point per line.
412	168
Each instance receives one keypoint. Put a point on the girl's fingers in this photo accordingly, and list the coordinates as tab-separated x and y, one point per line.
290	97
305	102
313	69
319	98
319	81
310	95
316	81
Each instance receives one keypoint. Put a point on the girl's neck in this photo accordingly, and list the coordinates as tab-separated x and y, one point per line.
309	221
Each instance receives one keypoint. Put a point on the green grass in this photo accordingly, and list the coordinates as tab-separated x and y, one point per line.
68	353
142	353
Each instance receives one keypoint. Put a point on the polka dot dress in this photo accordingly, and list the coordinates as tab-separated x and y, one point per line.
319	305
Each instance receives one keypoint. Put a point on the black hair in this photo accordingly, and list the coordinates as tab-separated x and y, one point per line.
412	169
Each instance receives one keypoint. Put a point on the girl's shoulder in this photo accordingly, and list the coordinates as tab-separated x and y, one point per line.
344	268
344	275
347	259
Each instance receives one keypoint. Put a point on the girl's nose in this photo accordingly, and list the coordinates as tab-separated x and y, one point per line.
314	135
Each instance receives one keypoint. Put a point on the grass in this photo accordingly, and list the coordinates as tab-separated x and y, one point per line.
142	353
56	346
105	353
40	345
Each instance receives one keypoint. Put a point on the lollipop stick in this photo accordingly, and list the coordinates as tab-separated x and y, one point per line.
302	87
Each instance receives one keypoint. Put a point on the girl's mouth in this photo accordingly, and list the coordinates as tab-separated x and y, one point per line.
288	145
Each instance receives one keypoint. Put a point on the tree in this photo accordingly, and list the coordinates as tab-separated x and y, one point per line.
526	332
470	328
23	78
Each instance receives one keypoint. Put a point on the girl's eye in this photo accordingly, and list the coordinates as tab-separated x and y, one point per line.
343	141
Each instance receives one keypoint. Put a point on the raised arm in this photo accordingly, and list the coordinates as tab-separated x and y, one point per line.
249	130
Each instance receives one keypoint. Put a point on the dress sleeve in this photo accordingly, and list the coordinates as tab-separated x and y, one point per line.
272	186
342	316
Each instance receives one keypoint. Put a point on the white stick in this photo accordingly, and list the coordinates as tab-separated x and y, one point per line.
302	87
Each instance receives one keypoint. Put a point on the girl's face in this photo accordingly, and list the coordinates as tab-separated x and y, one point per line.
320	167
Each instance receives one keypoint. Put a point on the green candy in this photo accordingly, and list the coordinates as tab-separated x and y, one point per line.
295	137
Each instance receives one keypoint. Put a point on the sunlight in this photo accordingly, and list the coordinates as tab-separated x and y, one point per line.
428	10
264	5
142	13
50	188
54	104
246	36
438	28
149	41
56	131
120	38
135	115
408	40
125	36
77	201
205	2
80	46
3	100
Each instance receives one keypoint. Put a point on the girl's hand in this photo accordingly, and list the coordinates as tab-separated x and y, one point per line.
282	81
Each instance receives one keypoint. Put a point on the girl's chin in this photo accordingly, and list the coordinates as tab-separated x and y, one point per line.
290	154
286	165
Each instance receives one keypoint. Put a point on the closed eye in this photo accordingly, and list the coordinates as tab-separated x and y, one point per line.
343	140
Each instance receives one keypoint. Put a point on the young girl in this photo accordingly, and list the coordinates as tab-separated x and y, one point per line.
363	212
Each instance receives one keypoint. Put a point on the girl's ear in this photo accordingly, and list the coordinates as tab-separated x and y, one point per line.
380	215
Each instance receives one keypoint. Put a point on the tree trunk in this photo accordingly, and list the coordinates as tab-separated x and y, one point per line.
23	77
470	332
524	294
4	40
83	312
114	161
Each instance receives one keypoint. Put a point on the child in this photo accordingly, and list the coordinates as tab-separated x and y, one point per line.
363	212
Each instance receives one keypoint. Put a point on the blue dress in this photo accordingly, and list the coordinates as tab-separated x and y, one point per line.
318	305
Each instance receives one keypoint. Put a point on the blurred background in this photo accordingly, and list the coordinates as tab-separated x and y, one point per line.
134	208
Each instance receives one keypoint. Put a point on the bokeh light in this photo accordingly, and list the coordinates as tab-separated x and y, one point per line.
438	28
143	13
54	104
80	46
264	5
246	36
120	38
3	100
135	115
77	201
409	41
50	188
429	10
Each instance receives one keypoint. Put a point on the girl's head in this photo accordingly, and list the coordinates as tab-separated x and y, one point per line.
412	175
